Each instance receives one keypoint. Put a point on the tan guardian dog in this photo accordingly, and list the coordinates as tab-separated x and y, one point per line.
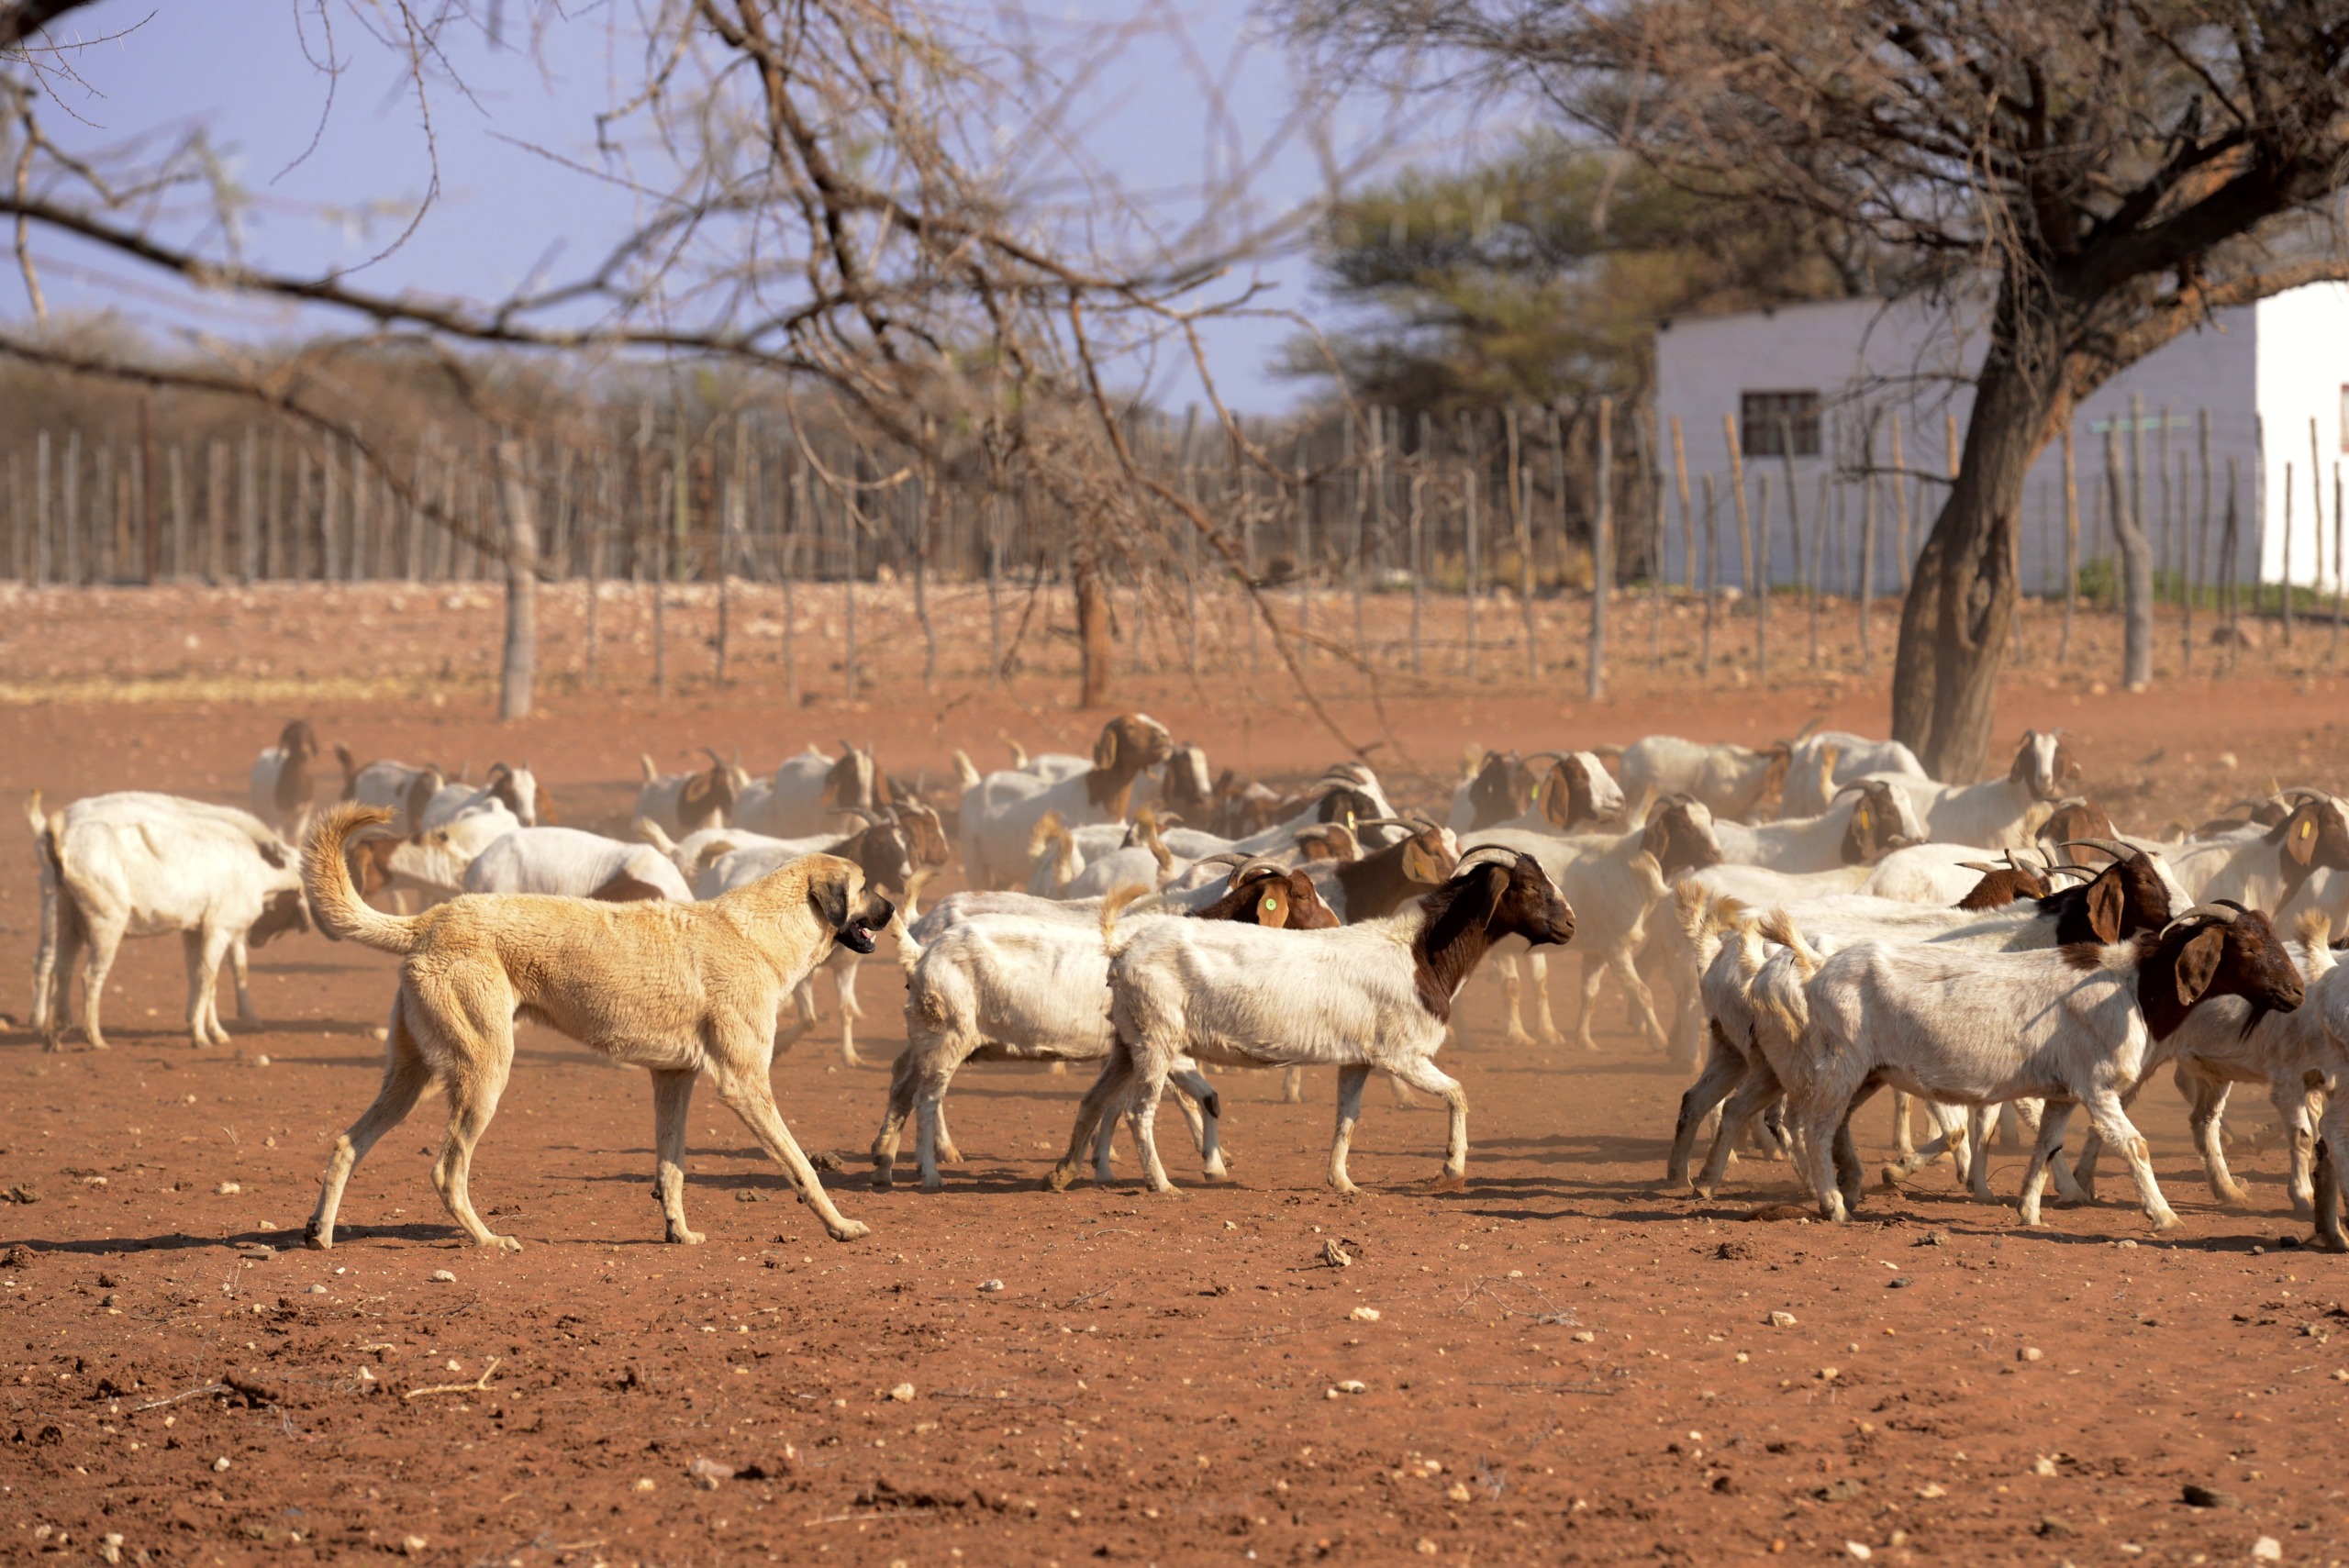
678	989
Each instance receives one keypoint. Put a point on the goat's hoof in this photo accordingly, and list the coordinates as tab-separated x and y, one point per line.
678	1236
948	1155
1447	1182
1518	1039
511	1243
1216	1178
1057	1180
932	1185
849	1230
2167	1221
883	1182
2239	1198
1345	1189
317	1238
2335	1244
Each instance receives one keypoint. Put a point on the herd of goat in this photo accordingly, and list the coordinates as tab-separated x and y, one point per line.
1824	919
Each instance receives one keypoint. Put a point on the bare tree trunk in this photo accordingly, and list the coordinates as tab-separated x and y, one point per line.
521	587
1955	626
1095	650
2136	574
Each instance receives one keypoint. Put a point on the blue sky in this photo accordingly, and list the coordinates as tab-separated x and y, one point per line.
245	70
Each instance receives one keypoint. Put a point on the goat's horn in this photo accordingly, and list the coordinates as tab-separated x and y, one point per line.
2081	872
2113	847
1985	867
1255	866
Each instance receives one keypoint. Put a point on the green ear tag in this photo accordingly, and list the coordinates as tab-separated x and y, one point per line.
1271	904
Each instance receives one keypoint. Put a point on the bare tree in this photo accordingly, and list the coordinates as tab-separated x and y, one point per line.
2095	176
830	207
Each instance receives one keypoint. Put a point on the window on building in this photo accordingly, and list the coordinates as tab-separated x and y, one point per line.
1764	420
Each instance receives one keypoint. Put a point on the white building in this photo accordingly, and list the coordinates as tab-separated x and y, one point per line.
1826	372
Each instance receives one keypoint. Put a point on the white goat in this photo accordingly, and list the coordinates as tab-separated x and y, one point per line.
686	803
516	790
1377	994
396	785
1734	782
2078	1026
573	864
1000	812
1998	813
1014	988
800	798
1612	881
1823	762
138	865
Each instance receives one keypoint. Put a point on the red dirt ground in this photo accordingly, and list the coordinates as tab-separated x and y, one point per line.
1569	1364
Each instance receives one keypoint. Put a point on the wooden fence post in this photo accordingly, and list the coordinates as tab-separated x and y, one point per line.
1737	492
1602	550
1417	524
2229	570
42	510
1687	522
1520	507
2072	546
1712	577
1762	590
1471	482
1807	582
1867	543
518	671
1900	505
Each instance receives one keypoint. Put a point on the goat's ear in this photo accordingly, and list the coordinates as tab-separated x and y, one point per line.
1273	904
2296	833
1492	888
1418	865
1105	750
1557	798
828	895
2107	903
2198	962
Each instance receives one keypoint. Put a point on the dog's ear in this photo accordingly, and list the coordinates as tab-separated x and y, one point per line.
828	895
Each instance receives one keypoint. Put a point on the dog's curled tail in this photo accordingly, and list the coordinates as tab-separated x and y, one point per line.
340	912
1110	908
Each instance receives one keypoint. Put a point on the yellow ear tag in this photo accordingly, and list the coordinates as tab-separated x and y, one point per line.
2307	828
1860	818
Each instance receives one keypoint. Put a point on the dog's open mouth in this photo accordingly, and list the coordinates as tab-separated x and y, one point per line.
857	937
